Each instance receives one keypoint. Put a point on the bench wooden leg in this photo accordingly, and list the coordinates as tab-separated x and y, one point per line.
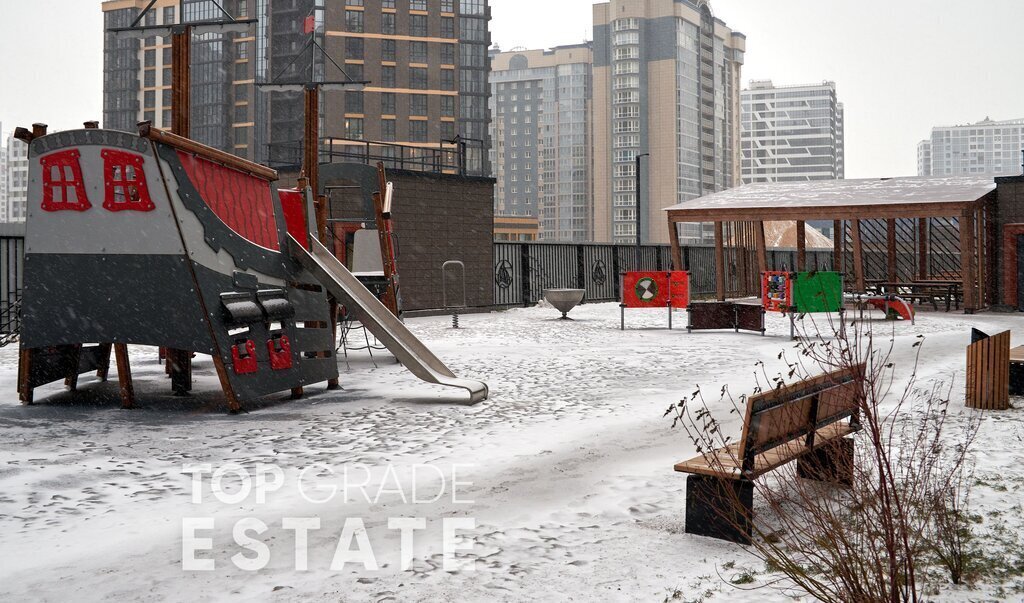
124	376
832	463
720	508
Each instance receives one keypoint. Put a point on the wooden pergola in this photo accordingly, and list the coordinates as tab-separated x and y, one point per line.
739	215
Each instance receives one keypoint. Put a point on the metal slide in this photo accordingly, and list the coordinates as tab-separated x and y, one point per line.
384	325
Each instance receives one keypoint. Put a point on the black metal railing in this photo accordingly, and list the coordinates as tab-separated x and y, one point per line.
442	159
523	270
12	264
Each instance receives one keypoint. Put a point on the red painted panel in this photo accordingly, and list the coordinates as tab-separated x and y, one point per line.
244	360
777	291
679	289
241	201
645	289
63	172
293	203
280	349
124	182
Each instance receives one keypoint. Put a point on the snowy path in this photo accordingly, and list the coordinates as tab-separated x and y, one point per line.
574	494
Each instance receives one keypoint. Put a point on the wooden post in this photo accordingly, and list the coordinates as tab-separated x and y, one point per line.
762	247
801	246
677	252
103	370
922	249
74	360
181	80
838	235
719	262
967	258
891	255
311	149
858	257
124	376
25	389
179	364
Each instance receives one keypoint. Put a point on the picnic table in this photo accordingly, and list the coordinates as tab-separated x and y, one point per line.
925	291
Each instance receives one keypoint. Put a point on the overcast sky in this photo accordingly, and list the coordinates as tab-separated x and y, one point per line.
901	66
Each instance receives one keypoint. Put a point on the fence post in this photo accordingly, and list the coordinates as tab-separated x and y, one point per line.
686	258
657	260
581	268
524	268
615	272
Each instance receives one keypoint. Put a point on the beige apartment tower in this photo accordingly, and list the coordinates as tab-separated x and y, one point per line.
667	83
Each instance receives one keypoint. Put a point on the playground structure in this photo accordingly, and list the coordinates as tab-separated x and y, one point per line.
645	290
157	240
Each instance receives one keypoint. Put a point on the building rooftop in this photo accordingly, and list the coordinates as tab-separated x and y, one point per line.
870	195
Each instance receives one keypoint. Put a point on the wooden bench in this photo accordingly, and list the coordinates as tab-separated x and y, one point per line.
931	292
806	422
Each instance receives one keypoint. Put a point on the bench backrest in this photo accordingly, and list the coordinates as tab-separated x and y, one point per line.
798	411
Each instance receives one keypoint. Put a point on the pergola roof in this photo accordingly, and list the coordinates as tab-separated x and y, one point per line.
838	200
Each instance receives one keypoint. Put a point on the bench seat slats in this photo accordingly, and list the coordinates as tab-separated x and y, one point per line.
727	462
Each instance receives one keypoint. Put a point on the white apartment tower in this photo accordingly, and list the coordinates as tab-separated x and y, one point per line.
15	205
792	133
987	148
542	154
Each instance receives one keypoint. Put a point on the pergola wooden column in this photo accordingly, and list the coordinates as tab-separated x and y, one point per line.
919	199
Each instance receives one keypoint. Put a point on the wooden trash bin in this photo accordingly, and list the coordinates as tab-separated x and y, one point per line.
988	371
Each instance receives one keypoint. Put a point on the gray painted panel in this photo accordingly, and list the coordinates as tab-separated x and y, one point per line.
661	42
133	299
602	45
313	340
98	230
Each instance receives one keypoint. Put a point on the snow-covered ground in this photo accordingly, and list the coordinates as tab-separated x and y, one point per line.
568	466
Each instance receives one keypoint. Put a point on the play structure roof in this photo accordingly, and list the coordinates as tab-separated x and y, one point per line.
839	199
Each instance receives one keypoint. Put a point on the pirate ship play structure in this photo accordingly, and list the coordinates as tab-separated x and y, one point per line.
155	239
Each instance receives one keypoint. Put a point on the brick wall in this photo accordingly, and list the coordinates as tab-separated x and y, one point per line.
440	218
1009	211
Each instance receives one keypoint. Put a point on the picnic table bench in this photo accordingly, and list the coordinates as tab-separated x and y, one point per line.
931	292
806	422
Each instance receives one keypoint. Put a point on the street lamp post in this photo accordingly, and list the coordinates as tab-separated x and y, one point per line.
639	240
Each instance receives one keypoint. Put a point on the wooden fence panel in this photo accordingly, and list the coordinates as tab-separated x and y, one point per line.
988	373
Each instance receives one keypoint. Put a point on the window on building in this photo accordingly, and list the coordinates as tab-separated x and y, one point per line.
448	106
354	128
387	130
353	102
418	26
418	131
354	21
354	48
387	24
387	50
417	104
417	4
387	76
447	54
418	78
417	52
447	27
388	106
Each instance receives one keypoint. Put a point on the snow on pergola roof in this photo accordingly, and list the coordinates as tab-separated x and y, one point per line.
838	199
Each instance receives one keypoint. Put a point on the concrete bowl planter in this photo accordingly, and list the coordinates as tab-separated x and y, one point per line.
564	300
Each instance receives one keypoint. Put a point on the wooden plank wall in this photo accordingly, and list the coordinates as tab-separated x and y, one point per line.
988	373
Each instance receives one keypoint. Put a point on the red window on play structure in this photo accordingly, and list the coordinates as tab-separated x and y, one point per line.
63	186
124	182
777	291
655	289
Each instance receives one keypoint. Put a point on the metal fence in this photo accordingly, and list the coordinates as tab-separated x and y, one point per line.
12	269
522	271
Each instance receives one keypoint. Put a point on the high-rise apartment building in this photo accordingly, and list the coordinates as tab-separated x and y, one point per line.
15	205
3	176
989	148
667	83
542	155
792	133
426	61
137	73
